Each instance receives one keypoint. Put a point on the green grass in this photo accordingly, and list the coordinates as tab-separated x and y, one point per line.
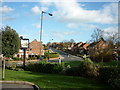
52	80
112	63
72	63
51	55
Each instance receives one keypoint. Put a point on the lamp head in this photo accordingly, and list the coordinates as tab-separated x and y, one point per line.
21	37
50	14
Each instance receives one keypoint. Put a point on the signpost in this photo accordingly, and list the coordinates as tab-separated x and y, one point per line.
3	66
24	45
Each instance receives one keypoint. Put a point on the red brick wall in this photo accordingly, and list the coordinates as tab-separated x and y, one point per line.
35	47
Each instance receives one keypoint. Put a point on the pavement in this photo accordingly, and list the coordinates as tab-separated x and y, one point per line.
18	85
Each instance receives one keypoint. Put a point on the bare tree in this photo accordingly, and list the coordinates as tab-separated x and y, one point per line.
72	40
97	35
101	49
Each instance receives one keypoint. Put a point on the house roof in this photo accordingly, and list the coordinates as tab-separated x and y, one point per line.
94	43
78	44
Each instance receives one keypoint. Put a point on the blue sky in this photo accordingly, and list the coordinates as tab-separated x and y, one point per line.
70	20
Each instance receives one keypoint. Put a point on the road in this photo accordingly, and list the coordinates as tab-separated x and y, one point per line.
65	56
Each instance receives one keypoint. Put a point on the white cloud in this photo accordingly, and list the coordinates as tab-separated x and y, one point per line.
36	25
73	12
82	26
5	9
37	10
72	25
62	34
110	31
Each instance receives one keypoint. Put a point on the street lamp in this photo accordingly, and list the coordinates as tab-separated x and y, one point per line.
41	29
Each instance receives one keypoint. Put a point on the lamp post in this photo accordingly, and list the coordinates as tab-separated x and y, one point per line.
41	29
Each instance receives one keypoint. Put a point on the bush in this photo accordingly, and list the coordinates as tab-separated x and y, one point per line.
89	69
102	57
32	58
11	66
19	69
86	69
114	79
105	73
111	76
16	58
44	67
74	71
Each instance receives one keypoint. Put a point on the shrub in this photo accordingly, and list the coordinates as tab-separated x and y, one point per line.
110	75
31	58
86	69
11	66
16	58
58	68
89	69
45	67
19	69
102	57
105	73
74	71
114	79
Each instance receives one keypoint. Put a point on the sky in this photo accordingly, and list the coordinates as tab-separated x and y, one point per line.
70	20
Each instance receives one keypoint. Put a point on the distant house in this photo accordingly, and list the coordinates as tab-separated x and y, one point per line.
71	46
55	44
83	49
35	49
80	48
76	47
99	45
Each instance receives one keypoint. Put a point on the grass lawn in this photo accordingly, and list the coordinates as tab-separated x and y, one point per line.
112	63
72	63
52	80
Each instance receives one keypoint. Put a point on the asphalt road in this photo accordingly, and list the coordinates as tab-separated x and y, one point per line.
65	56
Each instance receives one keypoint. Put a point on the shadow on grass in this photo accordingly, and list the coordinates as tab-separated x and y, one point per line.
53	80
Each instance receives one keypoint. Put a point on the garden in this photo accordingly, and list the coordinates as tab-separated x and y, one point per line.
105	74
44	80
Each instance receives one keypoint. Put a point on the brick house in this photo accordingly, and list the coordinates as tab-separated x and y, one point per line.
98	46
35	48
80	48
